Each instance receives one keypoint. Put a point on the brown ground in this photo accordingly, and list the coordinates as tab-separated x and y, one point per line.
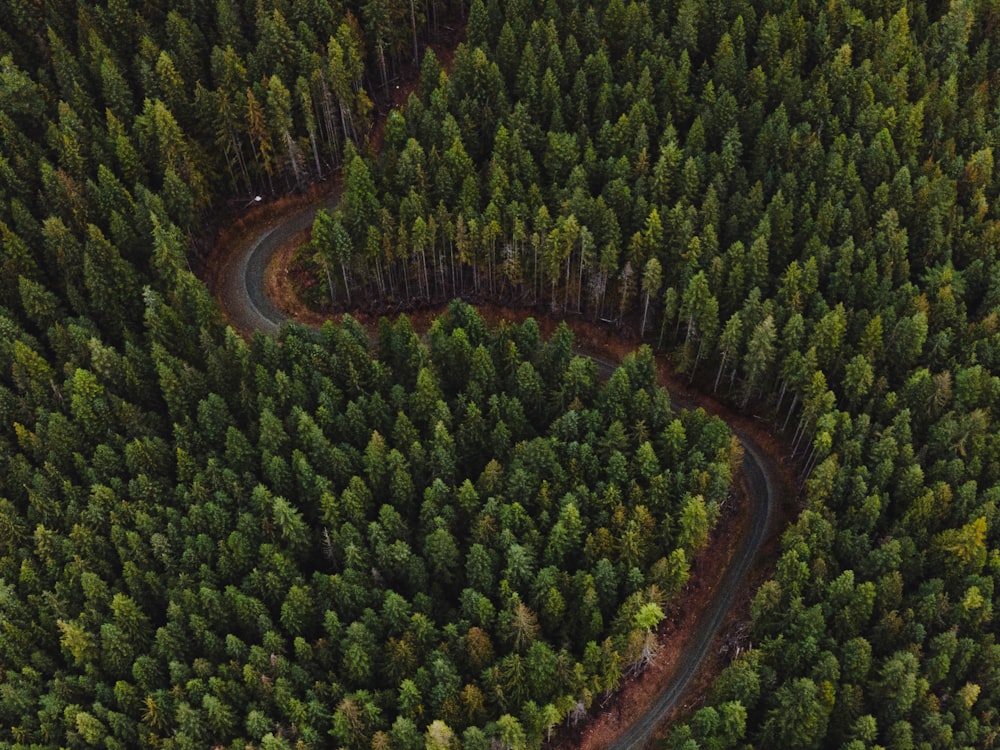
281	285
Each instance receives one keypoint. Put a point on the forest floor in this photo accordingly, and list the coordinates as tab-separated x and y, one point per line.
608	717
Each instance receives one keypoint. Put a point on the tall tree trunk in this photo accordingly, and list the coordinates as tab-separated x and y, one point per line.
534	276
344	118
718	375
569	264
604	296
347	287
791	408
315	148
451	256
746	395
427	283
413	25
290	145
238	153
380	45
645	311
442	284
379	277
799	432
697	359
329	284
326	104
781	396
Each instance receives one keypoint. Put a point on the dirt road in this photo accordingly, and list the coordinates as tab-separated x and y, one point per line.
239	284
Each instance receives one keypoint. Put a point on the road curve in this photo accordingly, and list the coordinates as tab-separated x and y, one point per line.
241	290
761	488
240	284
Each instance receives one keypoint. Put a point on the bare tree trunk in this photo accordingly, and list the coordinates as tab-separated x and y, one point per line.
379	278
718	375
569	264
329	284
534	276
442	281
347	287
781	396
427	283
328	119
791	408
413	25
697	359
491	266
315	148
347	122
810	465
381	63
800	431
290	145
451	255
234	142
229	168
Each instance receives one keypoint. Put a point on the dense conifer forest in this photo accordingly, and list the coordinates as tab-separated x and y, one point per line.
338	539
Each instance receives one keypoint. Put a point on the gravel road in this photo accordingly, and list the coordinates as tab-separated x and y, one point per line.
240	285
241	290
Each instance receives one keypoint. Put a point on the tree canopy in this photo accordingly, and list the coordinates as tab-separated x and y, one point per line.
328	538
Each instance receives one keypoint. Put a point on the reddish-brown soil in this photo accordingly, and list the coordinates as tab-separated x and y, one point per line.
281	286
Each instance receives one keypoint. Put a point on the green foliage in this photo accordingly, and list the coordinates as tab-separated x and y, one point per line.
219	573
208	542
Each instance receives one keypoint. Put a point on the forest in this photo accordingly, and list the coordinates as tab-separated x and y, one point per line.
344	538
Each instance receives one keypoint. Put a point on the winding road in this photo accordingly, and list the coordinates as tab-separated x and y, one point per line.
241	289
240	285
